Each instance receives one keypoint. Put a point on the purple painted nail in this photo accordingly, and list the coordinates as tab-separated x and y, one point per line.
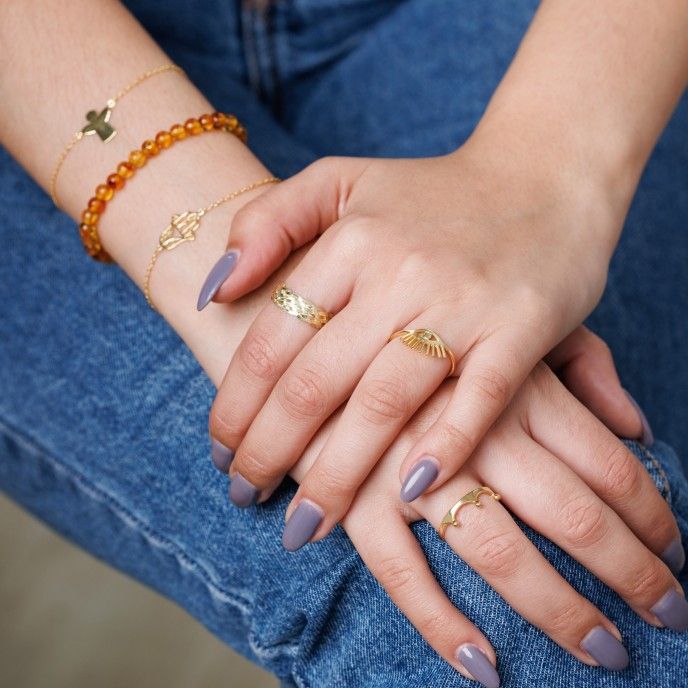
222	456
648	438
241	492
216	278
301	525
478	665
420	478
672	610
674	556
605	649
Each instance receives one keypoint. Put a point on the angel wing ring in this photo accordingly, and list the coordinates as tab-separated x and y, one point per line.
427	342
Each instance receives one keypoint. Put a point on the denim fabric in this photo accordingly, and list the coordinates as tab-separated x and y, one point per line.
106	441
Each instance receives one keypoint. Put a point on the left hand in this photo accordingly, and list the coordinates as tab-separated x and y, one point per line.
502	262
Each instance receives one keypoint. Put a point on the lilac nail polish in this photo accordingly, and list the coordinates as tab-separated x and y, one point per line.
241	492
216	278
478	665
301	525
422	475
222	456
605	649
674	556
672	611
648	438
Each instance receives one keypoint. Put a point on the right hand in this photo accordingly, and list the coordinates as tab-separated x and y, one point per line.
576	483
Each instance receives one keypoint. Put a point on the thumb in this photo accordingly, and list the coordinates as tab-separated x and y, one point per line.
585	365
269	227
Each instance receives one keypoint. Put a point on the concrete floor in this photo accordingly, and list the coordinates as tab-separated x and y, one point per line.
69	621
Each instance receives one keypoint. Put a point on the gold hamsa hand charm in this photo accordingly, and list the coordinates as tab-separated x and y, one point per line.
182	227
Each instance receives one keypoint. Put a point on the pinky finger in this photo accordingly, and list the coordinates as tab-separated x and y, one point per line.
395	558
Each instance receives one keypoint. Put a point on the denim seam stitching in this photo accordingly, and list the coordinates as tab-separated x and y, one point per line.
666	486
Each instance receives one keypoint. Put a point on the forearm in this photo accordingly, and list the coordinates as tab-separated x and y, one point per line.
590	90
60	60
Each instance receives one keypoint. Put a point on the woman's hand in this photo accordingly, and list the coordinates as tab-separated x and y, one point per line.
559	470
501	261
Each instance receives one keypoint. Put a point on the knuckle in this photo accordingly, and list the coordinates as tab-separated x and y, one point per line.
258	357
583	521
621	473
396	574
565	618
332	484
383	401
414	265
453	440
500	553
354	234
255	468
303	394
645	584
492	386
223	424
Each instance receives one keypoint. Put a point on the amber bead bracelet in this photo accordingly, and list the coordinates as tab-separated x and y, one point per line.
88	229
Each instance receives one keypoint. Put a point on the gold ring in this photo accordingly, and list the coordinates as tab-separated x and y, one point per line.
473	497
300	308
427	342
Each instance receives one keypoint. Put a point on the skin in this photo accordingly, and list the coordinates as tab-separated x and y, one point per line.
501	247
537	426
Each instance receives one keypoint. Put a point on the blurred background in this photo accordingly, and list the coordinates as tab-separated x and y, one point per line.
69	621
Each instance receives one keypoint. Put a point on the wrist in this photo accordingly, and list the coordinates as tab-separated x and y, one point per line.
549	169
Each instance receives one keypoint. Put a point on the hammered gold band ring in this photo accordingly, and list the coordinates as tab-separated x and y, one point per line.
290	302
473	497
427	342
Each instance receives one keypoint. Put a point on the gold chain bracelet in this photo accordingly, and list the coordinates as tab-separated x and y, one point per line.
99	122
184	226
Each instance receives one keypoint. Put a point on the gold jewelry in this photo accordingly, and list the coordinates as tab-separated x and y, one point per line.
184	226
99	122
301	308
473	497
427	342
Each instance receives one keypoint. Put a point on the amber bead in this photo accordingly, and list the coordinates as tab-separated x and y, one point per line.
104	192
125	170
87	232
163	139
193	126
114	181
95	205
138	158
88	217
178	132
150	148
232	122
206	122
219	119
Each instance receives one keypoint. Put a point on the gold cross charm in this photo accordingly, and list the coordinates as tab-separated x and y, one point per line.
99	123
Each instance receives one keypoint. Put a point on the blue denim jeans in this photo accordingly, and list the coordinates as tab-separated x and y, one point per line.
106	441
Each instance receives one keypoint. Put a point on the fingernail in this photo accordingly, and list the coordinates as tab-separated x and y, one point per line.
216	278
672	611
222	456
419	479
674	556
605	649
241	492
647	438
301	525
478	665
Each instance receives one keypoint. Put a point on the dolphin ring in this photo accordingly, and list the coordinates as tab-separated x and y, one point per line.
427	342
290	302
473	497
